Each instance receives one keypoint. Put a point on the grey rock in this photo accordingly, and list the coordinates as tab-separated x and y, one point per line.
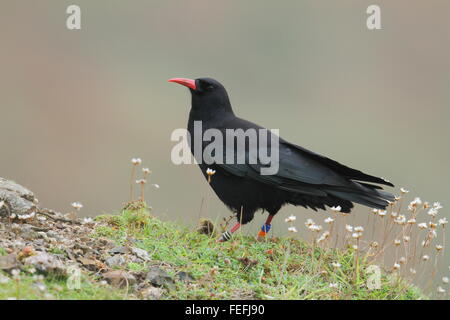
53	234
17	199
46	263
158	277
152	293
121	250
27	233
8	262
115	261
141	253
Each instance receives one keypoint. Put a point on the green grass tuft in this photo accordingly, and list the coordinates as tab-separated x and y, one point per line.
239	269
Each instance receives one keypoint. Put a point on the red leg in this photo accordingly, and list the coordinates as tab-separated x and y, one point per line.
227	234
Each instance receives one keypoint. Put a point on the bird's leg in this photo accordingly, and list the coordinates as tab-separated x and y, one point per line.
227	234
265	228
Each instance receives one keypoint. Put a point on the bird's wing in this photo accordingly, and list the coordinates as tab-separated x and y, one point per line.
345	171
299	169
296	172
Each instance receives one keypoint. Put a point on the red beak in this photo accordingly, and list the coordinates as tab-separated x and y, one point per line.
185	82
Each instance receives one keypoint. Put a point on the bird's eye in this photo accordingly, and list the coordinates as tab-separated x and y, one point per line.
210	87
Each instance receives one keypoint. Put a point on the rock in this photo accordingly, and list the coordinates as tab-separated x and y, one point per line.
184	276
152	293
27	233
115	261
119	278
8	262
158	277
91	264
53	234
141	253
46	263
16	199
121	250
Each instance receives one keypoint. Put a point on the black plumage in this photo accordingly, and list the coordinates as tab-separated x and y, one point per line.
304	178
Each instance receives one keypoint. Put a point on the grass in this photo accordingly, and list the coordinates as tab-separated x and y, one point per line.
278	268
28	287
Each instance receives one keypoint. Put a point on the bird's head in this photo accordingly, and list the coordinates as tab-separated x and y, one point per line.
208	95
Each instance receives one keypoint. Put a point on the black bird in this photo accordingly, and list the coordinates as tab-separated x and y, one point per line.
304	178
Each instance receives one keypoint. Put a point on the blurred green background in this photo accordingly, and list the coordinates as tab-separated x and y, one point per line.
76	106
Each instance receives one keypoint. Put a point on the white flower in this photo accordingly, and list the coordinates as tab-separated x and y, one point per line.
382	213
156	185
336	265
406	238
291	218
397	242
437	205
324	236
136	161
15	273
210	172
349	228
87	220
432	212
411	221
309	223
315	227
141	181
403	190
401	219
422	225
356	235
425	257
440	289
334	285
292	229
77	206
443	221
445	280
328	220
396	266
355	247
146	170
439	247
402	260
336	209
412	270
358	229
